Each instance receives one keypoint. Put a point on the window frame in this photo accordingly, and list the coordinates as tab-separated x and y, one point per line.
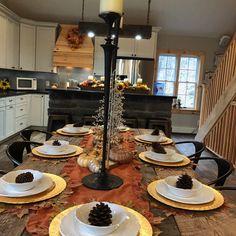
178	54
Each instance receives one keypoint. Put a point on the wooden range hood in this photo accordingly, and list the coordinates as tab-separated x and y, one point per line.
65	55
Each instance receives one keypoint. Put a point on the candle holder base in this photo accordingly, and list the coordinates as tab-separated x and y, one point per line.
102	181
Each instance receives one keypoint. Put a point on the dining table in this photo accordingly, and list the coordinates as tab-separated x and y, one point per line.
35	218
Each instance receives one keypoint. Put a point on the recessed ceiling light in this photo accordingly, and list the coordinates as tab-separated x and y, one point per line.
91	34
138	37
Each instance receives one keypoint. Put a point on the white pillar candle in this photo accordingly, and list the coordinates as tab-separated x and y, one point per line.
111	6
121	22
102	78
139	81
126	80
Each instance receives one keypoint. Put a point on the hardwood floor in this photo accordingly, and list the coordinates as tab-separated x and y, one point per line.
206	170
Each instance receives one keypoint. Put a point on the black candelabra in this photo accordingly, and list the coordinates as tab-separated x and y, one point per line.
103	180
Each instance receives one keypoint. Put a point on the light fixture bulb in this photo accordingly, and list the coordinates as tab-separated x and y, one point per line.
91	34
113	36
138	37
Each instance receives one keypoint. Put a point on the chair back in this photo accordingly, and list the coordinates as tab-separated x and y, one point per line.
15	151
225	168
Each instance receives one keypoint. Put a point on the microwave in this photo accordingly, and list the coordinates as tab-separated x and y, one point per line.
26	83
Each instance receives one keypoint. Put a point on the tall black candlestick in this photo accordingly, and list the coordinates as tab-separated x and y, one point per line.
103	180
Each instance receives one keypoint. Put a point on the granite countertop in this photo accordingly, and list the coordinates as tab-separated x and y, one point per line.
61	90
18	93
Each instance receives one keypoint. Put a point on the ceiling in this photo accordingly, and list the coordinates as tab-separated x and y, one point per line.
205	18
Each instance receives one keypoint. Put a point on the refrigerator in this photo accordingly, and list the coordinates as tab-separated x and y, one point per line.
134	68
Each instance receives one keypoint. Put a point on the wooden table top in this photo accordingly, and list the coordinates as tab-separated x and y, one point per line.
170	221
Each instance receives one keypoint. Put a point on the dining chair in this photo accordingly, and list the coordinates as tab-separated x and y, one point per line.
199	148
15	151
225	168
26	136
225	187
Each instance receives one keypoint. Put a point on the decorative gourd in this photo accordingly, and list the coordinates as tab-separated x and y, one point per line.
83	160
94	165
120	155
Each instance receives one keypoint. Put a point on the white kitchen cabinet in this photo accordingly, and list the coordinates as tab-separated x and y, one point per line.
3	30
145	48
27	47
46	106
37	110
10	121
2	122
13	43
45	42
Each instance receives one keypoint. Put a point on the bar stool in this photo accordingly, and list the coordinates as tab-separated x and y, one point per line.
58	121
88	120
161	123
131	122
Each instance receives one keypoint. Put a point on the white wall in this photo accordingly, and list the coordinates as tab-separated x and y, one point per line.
184	123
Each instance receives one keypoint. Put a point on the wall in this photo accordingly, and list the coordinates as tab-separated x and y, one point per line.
177	42
188	123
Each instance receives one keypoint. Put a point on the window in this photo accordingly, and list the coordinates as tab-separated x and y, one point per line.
178	75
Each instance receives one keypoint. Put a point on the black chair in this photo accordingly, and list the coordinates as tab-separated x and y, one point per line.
26	136
225	168
2	172
15	151
225	187
199	148
58	121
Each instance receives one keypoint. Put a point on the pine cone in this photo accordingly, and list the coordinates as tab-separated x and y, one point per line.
156	147
156	132
185	182
100	215
24	178
56	143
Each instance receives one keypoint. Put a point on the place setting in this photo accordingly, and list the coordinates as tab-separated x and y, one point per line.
155	136
28	186
185	192
161	156
57	149
101	219
76	129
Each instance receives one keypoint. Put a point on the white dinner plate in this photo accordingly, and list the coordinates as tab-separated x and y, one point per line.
130	227
75	130
69	149
175	158
152	138
44	184
204	195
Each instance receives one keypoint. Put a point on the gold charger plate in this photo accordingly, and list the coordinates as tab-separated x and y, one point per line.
59	186
145	226
61	132
167	142
79	150
216	203
185	161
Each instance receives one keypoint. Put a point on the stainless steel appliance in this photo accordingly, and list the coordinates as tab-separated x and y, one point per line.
135	68
26	83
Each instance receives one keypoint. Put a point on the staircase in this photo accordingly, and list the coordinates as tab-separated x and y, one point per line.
217	128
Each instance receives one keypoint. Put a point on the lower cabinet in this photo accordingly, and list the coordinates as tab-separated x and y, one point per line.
10	120
2	122
20	112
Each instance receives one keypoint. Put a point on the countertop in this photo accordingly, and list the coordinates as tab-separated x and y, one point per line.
61	90
18	93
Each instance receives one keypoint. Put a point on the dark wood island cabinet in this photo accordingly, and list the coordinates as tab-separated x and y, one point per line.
141	110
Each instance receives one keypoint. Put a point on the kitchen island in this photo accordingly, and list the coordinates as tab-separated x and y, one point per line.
140	110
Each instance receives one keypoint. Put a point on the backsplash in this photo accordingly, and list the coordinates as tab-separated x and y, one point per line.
64	75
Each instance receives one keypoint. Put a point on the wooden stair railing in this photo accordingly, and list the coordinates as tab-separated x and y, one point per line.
222	138
218	94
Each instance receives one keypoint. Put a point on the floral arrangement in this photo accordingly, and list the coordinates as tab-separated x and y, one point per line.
4	84
74	38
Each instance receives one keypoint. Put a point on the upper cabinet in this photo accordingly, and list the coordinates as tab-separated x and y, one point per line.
27	47
12	45
138	48
3	30
45	43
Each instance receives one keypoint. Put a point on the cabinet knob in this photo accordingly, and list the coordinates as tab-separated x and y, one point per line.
13	67
11	107
20	68
10	100
21	109
21	123
21	98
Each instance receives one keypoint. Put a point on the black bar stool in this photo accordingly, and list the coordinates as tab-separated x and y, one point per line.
56	121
